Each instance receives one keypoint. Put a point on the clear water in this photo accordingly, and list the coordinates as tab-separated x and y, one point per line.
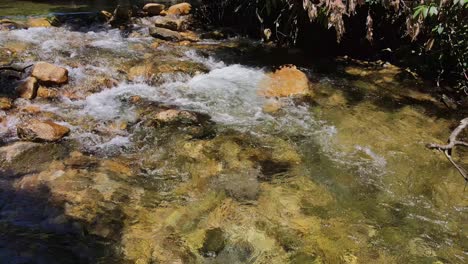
341	178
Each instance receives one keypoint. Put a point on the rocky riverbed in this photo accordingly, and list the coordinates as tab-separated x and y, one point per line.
154	142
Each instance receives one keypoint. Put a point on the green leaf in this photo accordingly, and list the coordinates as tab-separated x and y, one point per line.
433	11
417	11
440	29
425	11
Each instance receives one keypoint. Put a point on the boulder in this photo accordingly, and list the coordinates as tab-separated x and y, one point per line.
5	103
154	9
28	88
38	22
166	34
36	130
287	81
172	23
48	73
179	9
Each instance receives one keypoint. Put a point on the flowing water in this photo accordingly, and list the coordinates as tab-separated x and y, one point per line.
342	176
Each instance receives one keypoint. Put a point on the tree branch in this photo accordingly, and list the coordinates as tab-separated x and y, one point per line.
452	142
16	69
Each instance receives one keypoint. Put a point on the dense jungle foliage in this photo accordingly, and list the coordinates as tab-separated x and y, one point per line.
429	36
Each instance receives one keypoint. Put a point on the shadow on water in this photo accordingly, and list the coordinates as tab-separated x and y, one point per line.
34	229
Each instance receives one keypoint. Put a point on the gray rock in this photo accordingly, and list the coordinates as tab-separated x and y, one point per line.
166	34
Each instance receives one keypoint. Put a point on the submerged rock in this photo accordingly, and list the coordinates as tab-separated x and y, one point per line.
153	9
214	242
179	9
174	115
286	81
36	130
50	74
28	88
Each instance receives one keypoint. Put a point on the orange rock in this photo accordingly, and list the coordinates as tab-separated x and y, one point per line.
180	9
49	73
153	9
31	109
5	103
286	81
38	22
46	93
28	88
36	130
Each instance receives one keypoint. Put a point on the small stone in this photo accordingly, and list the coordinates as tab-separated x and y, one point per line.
28	88
36	130
50	74
180	9
153	9
5	103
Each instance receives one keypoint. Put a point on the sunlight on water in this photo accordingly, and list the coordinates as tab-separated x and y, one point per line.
339	178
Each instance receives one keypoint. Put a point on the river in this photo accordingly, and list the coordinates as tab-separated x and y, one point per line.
341	176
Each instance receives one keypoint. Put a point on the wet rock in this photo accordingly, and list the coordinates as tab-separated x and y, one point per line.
214	242
272	106
172	23
79	161
38	22
419	247
179	9
5	103
46	93
121	16
154	9
146	71
106	15
36	130
240	185
7	24
50	74
29	157
216	34
28	88
10	152
287	81
174	115
166	34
